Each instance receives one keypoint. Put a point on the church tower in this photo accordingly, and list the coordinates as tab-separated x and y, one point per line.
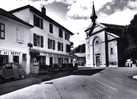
93	16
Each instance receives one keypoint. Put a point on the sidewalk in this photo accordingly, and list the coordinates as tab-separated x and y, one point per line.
18	84
15	85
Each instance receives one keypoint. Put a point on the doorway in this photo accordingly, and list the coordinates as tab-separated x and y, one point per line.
3	60
98	61
16	59
51	60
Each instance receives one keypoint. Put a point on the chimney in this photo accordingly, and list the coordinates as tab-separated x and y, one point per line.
43	10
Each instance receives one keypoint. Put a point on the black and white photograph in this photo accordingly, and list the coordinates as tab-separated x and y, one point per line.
68	49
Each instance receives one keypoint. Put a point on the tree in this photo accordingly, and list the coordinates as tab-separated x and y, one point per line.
132	29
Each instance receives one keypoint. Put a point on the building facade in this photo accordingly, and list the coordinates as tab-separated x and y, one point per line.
49	40
14	38
30	38
101	45
101	49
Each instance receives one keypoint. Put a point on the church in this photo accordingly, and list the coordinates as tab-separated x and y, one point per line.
106	44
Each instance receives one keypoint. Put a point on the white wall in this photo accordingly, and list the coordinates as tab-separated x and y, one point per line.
89	49
10	43
27	16
24	15
113	58
10	40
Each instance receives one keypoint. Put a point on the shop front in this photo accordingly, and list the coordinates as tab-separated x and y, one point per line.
34	62
11	58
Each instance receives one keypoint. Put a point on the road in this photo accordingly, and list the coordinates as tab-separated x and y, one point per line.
111	83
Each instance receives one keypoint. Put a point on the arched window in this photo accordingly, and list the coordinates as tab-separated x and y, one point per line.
96	41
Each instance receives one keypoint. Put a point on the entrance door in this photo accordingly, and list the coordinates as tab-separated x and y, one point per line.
51	60
98	62
3	59
16	59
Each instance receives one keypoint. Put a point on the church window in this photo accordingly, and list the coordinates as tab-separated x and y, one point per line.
111	51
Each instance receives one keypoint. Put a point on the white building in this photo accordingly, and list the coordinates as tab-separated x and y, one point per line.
14	38
50	40
101	45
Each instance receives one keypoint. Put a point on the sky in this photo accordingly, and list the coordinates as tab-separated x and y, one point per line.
74	14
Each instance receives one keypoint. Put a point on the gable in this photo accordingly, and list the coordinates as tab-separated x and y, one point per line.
98	28
112	36
41	15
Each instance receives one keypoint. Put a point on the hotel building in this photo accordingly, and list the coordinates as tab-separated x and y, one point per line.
31	38
50	40
14	38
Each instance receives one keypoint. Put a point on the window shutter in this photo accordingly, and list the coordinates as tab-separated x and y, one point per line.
53	44
41	24
42	41
48	43
35	39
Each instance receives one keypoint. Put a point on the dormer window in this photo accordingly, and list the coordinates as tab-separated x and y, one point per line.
38	22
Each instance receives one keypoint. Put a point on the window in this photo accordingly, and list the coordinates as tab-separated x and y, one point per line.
42	60
67	36
20	35
51	28
2	31
68	48
38	22
60	46
60	60
38	40
60	33
111	51
51	44
96	42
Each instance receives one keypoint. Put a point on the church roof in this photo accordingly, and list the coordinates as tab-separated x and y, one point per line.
116	29
112	28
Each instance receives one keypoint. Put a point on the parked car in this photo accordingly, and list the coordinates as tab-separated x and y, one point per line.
12	71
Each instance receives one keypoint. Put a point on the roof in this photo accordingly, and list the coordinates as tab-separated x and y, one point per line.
116	29
9	15
41	15
112	28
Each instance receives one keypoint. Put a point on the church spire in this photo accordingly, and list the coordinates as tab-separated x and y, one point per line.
93	17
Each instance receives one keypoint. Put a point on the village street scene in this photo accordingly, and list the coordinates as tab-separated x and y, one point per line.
68	49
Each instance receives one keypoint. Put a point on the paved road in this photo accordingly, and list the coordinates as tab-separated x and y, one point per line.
112	83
